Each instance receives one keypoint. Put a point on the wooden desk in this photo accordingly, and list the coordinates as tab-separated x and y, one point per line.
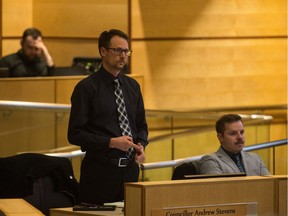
257	195
281	193
57	89
70	212
145	198
18	207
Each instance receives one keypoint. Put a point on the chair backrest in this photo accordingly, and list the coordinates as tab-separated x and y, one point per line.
43	181
190	168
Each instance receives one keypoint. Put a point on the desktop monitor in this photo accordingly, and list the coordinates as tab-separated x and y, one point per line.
91	64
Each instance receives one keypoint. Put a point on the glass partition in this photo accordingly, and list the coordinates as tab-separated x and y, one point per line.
42	128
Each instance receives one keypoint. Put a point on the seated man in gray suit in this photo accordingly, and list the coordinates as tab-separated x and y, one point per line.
230	158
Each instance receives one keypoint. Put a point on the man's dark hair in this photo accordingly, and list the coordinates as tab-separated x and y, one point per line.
229	118
34	32
105	37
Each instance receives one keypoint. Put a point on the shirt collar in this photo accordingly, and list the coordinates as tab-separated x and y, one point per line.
108	78
231	155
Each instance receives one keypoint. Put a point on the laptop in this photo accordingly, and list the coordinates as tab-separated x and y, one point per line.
4	72
222	175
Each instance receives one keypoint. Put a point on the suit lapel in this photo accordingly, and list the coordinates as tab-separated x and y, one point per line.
227	160
243	155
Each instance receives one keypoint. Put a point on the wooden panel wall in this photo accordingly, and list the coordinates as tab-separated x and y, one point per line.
79	18
70	27
216	53
221	18
192	54
206	54
16	16
74	26
211	73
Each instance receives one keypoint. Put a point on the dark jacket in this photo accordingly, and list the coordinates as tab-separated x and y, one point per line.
19	172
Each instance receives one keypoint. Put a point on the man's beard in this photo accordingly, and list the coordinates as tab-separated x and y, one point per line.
120	65
34	58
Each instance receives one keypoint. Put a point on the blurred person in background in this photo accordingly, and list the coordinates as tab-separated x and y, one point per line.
33	59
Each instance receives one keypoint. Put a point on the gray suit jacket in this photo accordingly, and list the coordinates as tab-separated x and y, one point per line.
219	162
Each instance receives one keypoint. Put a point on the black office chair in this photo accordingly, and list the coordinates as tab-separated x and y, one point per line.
43	181
188	168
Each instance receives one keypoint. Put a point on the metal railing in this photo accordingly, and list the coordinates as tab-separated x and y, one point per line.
257	116
177	162
23	105
207	115
199	114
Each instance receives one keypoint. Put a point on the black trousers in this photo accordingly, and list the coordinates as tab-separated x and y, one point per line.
102	182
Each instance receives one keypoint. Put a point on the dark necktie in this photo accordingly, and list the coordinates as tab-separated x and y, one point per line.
123	117
238	162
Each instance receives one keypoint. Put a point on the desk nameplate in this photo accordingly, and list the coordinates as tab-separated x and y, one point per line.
231	209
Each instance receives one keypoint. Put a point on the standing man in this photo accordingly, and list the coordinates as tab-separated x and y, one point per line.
99	123
230	158
33	59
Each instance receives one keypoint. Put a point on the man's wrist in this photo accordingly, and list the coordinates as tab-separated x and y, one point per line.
111	143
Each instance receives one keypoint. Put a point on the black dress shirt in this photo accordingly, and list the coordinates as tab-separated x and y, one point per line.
20	66
93	118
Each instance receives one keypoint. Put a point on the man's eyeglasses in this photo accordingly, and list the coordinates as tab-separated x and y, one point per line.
119	51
